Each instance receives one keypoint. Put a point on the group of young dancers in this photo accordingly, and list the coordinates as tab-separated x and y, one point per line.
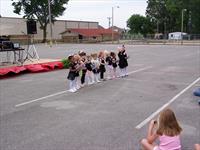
89	69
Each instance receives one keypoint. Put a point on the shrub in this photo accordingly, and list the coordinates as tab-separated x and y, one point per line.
65	62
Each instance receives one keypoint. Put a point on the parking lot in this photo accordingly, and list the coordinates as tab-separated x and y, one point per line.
38	113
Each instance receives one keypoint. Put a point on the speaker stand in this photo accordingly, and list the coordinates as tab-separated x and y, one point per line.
31	52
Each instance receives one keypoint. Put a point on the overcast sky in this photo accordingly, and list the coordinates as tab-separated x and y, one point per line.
92	10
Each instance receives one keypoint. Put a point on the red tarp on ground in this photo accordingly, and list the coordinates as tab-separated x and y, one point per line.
32	68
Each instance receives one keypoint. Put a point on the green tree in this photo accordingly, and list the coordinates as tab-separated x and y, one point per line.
157	11
167	15
140	24
38	9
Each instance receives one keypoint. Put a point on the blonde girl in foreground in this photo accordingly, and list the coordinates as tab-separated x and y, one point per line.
166	130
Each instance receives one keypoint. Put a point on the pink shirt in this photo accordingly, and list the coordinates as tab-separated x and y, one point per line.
169	143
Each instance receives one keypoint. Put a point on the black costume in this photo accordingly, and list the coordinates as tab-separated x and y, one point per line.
122	59
114	62
72	71
102	68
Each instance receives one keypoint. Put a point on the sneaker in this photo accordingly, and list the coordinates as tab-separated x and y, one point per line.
71	90
78	87
82	85
74	89
90	83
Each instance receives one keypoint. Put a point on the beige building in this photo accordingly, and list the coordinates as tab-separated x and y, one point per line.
16	27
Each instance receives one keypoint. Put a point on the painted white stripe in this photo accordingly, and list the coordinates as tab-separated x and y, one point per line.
58	93
41	98
142	69
165	105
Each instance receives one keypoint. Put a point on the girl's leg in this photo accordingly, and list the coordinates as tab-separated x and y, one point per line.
121	72
114	72
109	72
125	71
78	82
96	77
147	146
92	76
87	76
101	75
74	85
70	84
89	79
83	77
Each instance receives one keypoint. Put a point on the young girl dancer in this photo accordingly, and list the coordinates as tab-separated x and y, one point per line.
109	65
72	74
114	63
123	63
95	69
89	73
168	132
102	68
82	54
77	61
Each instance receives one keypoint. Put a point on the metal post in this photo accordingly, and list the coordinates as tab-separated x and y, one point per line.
112	23
50	22
182	16
157	26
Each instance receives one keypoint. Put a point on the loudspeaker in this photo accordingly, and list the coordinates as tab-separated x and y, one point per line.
31	27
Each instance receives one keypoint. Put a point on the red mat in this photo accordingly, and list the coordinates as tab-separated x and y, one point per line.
32	68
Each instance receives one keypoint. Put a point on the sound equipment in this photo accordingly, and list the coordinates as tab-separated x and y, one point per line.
7	45
31	27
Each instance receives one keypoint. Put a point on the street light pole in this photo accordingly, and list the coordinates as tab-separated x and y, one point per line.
49	6
112	23
182	17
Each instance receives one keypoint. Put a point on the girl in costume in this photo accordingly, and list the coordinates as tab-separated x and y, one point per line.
96	64
123	63
89	73
102	68
72	74
114	63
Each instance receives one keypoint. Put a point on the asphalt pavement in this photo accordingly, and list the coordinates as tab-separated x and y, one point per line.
38	113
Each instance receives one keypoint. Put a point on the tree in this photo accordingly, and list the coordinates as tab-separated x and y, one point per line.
157	11
38	9
167	14
140	24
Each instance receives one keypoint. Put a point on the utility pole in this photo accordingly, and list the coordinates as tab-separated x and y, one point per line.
182	17
113	23
50	22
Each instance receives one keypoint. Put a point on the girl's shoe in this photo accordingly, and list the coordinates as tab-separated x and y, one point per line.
71	90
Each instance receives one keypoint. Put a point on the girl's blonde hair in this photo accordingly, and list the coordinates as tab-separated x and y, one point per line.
101	54
168	124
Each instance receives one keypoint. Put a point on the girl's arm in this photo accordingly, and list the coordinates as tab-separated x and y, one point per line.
151	135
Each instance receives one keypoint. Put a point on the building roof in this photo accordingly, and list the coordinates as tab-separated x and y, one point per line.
91	32
115	28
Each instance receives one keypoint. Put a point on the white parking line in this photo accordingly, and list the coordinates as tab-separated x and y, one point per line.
165	105
41	98
139	70
58	93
